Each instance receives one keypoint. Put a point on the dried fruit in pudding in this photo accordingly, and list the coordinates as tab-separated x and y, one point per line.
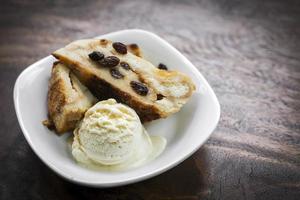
152	92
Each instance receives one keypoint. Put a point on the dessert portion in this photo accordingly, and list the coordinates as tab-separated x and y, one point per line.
111	70
112	135
68	99
109	134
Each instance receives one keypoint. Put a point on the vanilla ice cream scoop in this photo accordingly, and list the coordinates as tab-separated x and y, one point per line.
111	134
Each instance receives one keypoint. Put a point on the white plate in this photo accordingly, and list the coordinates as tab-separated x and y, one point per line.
185	131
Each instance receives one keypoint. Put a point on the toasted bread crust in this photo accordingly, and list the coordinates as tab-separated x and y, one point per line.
56	98
66	105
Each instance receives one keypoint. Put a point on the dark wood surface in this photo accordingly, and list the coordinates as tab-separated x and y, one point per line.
249	51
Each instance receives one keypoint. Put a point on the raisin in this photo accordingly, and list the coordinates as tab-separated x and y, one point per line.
139	88
96	56
159	97
120	47
125	65
162	66
114	72
109	61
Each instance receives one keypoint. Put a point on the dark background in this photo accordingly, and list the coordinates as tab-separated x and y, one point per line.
249	51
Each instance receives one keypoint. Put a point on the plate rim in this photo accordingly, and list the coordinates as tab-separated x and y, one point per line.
127	180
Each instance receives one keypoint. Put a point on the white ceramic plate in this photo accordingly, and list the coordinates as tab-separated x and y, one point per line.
185	131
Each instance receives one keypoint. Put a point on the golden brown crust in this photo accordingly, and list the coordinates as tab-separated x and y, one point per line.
66	105
56	95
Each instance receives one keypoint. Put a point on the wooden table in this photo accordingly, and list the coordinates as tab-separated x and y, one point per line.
249	51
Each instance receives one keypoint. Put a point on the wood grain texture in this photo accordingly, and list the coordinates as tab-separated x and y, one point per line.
249	51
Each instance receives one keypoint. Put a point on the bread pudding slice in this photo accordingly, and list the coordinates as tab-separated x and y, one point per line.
68	99
110	70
